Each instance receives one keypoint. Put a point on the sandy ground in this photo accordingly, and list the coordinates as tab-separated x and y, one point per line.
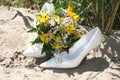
14	39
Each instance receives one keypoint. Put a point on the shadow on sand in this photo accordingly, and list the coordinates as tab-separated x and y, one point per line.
94	64
112	48
26	22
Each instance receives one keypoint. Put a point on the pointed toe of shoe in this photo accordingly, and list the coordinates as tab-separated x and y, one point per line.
33	51
52	63
28	52
49	64
44	65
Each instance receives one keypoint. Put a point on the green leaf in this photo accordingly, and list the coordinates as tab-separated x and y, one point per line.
44	28
58	11
119	0
37	40
48	50
33	30
70	41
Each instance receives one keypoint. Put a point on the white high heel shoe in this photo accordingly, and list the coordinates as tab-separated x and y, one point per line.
35	50
76	53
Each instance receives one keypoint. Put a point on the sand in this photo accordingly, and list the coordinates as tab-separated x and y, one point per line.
104	64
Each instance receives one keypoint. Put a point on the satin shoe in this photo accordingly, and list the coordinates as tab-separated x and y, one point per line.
77	52
34	51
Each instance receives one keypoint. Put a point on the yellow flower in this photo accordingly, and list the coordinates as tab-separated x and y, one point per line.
70	29
57	19
57	39
43	18
64	46
44	38
56	46
69	9
72	15
53	45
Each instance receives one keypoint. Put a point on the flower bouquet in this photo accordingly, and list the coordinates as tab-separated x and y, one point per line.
57	31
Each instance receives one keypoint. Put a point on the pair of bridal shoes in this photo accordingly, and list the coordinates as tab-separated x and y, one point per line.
77	52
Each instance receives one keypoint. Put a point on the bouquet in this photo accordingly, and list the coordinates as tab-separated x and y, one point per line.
57	31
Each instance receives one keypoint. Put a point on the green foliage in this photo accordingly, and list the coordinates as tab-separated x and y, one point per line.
37	40
78	5
102	13
33	30
58	11
93	13
48	50
71	38
33	4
